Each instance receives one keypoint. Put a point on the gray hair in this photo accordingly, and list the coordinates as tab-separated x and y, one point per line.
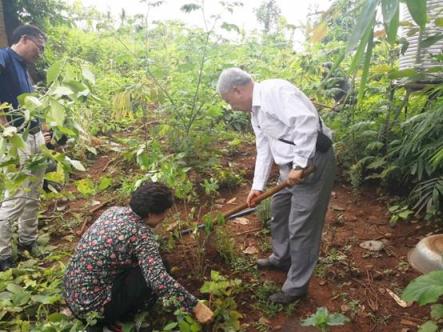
230	78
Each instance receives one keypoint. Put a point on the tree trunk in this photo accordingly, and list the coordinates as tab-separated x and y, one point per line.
3	35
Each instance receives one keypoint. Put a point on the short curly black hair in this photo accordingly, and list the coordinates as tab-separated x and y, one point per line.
151	197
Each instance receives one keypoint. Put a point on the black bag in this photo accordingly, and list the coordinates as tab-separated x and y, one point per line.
323	144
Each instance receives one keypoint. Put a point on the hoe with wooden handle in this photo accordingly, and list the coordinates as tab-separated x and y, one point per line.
243	209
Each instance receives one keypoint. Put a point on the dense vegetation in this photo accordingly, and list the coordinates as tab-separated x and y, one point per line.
149	87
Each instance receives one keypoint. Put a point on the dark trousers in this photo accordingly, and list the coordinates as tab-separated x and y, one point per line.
129	294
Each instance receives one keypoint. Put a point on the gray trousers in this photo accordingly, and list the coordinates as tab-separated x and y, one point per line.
21	208
298	215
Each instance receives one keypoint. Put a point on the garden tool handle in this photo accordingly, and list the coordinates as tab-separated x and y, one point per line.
308	170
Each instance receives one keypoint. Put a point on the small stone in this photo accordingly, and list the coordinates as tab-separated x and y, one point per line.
388	235
372	245
322	282
241	221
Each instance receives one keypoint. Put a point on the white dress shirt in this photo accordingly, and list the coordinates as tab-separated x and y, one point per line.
280	110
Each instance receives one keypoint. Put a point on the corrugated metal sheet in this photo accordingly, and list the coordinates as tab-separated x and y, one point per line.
425	61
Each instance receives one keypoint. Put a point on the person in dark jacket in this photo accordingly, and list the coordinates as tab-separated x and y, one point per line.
28	44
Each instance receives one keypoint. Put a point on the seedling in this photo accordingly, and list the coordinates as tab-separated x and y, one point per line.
322	319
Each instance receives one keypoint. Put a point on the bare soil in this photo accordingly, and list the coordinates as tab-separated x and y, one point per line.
348	278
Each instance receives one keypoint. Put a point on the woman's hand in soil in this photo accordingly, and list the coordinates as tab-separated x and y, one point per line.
203	314
251	197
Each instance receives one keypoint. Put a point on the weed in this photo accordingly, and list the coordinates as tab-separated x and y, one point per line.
221	291
322	319
264	212
261	293
225	245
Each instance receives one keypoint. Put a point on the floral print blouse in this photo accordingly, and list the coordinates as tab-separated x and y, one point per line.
119	239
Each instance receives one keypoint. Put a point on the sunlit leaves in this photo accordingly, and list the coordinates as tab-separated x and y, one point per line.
56	114
54	71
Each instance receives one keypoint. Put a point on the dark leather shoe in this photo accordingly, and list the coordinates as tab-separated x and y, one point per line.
283	298
6	264
265	263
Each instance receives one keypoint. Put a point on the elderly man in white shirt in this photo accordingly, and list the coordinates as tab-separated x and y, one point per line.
288	131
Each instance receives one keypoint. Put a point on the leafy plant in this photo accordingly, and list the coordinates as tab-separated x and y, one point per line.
221	291
322	319
399	212
427	289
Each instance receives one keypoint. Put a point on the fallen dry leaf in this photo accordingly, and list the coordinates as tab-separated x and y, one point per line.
241	221
397	299
232	200
251	250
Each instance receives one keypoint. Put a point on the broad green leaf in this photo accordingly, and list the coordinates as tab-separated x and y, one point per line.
80	89
429	326
21	298
431	40
54	71
56	114
425	289
170	326
85	187
31	102
417	9
14	289
104	183
337	319
61	91
364	21
437	311
46	299
58	176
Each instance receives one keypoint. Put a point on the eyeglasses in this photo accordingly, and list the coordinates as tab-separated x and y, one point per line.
41	48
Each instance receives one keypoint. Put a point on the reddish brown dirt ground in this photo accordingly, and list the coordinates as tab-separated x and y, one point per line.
348	279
